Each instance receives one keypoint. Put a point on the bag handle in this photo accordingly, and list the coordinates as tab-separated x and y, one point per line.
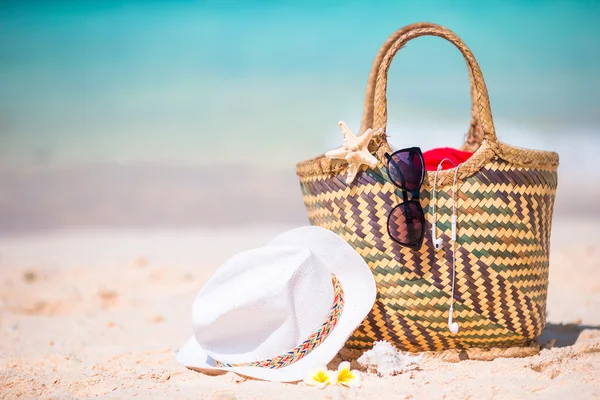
474	135
482	126
367	118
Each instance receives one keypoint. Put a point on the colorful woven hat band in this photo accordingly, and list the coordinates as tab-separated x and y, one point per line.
313	341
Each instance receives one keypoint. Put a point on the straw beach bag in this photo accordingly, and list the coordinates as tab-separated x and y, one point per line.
505	198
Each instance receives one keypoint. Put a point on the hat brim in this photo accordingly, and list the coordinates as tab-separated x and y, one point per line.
359	296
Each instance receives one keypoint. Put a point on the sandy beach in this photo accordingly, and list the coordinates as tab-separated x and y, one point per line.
87	313
144	143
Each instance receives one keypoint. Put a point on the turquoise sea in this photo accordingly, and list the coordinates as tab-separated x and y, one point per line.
199	84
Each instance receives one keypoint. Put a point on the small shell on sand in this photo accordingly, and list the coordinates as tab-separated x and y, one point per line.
385	359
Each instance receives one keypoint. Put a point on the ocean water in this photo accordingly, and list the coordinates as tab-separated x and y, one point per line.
201	84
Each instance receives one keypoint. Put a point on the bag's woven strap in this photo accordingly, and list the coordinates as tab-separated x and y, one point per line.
481	103
474	135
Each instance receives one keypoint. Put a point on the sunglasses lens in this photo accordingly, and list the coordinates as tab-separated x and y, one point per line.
406	169
405	223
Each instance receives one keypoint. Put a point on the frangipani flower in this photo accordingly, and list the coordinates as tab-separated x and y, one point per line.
347	377
320	377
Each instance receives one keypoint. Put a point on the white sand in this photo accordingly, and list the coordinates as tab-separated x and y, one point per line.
102	313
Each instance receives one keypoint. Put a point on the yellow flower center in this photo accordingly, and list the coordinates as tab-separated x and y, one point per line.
345	375
321	377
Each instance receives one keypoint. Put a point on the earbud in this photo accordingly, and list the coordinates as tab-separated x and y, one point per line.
452	326
437	241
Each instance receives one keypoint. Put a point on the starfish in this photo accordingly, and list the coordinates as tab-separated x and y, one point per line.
355	151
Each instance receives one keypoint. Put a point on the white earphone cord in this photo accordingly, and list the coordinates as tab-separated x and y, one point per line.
437	242
453	239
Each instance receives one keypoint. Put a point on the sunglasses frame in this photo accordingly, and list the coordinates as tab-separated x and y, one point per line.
414	196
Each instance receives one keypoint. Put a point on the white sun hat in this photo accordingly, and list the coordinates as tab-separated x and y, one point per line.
277	312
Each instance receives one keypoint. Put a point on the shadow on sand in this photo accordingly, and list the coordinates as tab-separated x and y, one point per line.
565	335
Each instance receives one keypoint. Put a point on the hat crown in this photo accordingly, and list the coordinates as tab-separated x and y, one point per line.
262	303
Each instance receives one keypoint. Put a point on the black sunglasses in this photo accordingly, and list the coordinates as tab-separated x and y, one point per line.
406	221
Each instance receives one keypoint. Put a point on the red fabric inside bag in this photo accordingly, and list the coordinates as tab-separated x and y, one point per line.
435	156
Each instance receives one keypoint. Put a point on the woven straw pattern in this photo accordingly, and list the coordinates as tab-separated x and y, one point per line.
504	210
314	340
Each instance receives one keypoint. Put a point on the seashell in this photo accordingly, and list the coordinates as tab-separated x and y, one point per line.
385	359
